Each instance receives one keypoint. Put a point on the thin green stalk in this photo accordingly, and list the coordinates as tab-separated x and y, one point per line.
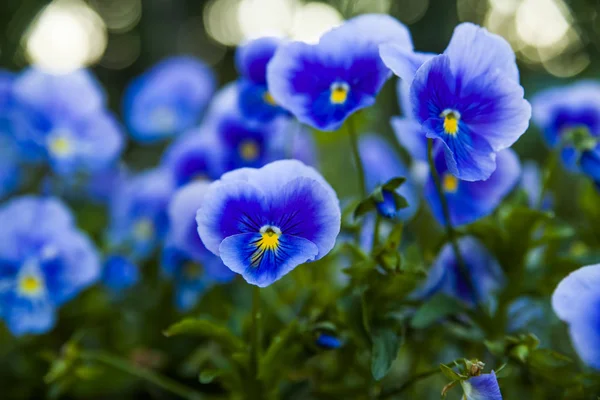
125	366
452	237
357	160
255	340
376	231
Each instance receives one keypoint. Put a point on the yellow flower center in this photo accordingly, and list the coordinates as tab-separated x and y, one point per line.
450	183
143	229
249	150
451	120
30	285
269	241
60	146
339	93
269	99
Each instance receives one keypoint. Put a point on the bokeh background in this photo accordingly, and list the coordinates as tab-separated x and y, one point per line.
555	41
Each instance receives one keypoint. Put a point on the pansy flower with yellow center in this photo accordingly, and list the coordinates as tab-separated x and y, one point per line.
255	100
71	126
265	222
323	84
468	98
168	99
45	261
470	201
138	213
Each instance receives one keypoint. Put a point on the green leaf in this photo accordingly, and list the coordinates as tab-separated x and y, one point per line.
206	329
450	373
364	207
439	306
208	375
386	344
271	362
394	183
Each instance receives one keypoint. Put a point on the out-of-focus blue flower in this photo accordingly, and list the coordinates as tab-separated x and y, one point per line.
138	213
251	61
325	83
189	277
45	262
328	341
527	314
197	155
470	201
265	222
242	142
482	387
119	273
576	301
183	233
10	171
381	164
531	183
469	98
445	276
558	111
168	99
71	127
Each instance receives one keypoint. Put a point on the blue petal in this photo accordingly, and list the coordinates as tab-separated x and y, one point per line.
251	58
167	99
76	266
585	335
590	163
300	77
254	102
305	209
474	200
403	62
381	164
30	316
193	156
328	341
411	136
380	29
576	297
119	273
482	387
475	52
263	267
230	208
445	276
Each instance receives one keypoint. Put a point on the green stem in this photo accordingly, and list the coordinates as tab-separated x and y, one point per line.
256	393
409	383
452	237
125	366
548	173
357	160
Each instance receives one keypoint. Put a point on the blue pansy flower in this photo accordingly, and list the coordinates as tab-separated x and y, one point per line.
185	260
189	277
119	273
470	201
469	98
323	84
168	99
71	126
265	222
183	232
11	173
197	155
445	276
251	59
576	301
558	111
482	387
381	164
45	261
138	213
